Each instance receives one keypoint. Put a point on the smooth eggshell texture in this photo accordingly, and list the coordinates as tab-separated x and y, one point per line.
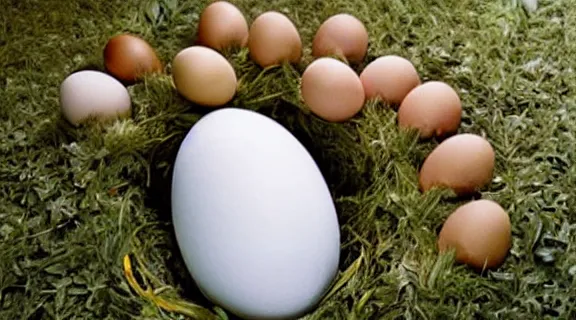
222	25
129	58
91	94
341	35
389	78
463	163
253	216
274	40
332	90
433	108
204	76
479	232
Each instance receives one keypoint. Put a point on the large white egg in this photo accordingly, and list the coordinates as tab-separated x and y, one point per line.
92	94
253	216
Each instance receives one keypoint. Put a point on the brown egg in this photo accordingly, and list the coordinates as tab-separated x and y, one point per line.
463	163
332	90
433	108
274	40
222	25
389	78
129	58
479	232
204	76
341	35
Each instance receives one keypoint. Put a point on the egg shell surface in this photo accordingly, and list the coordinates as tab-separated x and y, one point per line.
389	78
274	40
253	216
463	163
332	90
341	35
92	94
129	58
204	76
433	108
222	25
480	232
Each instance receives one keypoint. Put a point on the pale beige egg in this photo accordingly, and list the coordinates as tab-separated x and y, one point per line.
93	95
204	76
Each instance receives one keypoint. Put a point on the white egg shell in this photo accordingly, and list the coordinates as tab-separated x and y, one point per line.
86	94
253	216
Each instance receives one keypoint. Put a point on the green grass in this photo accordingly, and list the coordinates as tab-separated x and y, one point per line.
74	202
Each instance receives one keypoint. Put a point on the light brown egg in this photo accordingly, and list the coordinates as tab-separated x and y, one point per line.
389	78
204	76
480	234
129	58
341	35
433	108
332	90
222	25
463	163
274	40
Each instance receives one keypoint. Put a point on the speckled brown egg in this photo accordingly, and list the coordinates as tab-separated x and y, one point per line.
222	25
332	90
202	75
480	234
389	78
342	35
129	58
274	40
433	108
463	163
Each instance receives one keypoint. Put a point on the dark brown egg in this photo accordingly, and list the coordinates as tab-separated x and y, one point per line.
129	58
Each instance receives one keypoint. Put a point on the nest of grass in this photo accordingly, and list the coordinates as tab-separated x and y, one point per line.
85	213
